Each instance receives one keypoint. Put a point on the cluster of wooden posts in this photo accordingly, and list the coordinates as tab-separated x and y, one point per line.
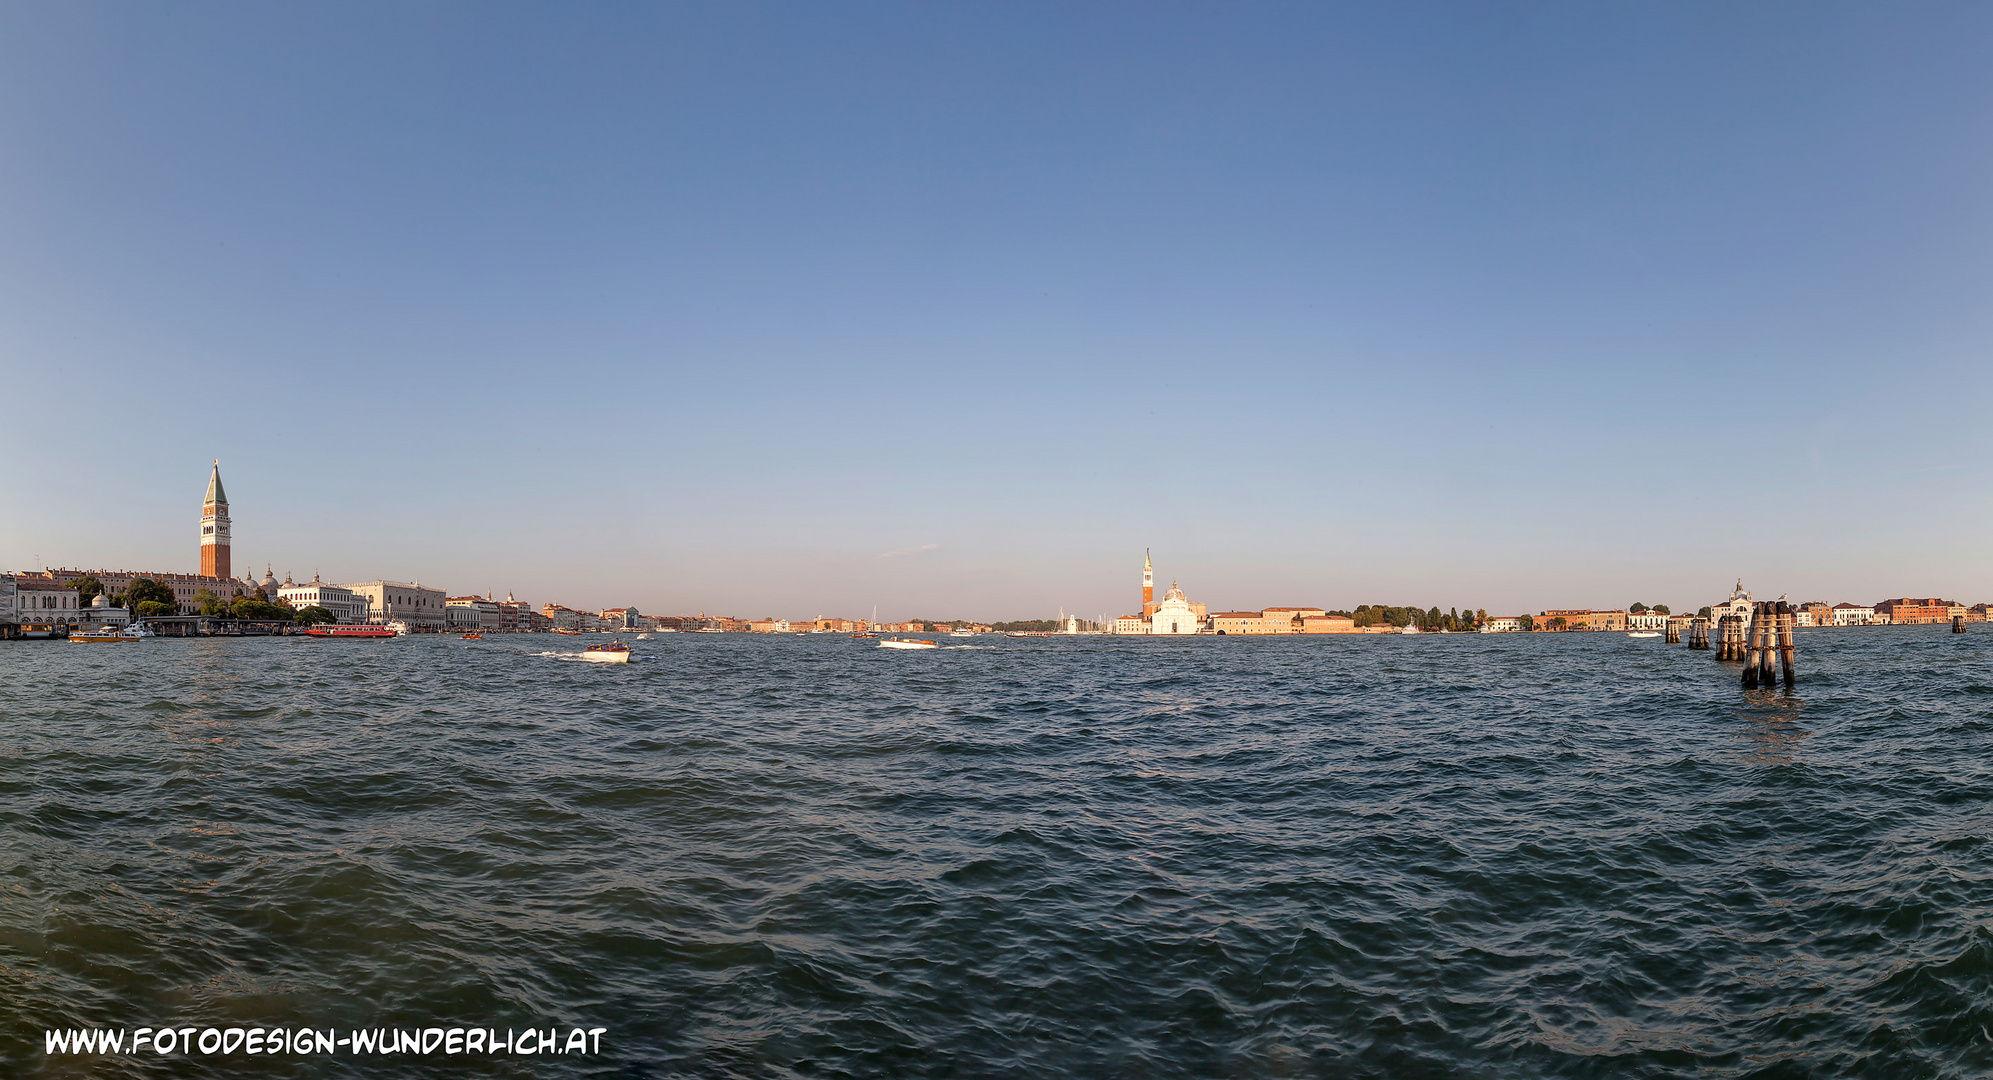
1762	641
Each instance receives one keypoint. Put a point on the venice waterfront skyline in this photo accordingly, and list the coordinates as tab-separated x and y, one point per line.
950	310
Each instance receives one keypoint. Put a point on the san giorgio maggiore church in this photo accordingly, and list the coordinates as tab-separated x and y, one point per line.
373	601
1175	613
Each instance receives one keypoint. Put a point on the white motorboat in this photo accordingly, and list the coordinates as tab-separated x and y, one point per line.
1644	633
908	643
961	633
615	652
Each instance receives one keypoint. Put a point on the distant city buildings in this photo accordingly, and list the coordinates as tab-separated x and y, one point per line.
400	601
345	605
52	597
1905	611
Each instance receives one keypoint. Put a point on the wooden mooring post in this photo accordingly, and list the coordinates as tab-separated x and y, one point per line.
1730	645
1785	648
1765	644
1768	647
1751	644
1958	624
1699	634
1674	632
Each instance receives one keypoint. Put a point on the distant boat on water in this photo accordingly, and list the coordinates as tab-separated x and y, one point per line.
364	632
908	643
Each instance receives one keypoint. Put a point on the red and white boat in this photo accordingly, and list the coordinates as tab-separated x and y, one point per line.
908	643
334	630
614	652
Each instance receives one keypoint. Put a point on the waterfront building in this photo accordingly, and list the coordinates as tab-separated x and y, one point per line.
561	617
103	613
620	618
1853	615
1131	624
1975	613
1607	620
7	599
1819	614
1582	619
472	613
769	626
1324	623
1287	620
1905	610
214	528
1504	624
398	601
1230	623
1173	615
1738	604
186	588
515	615
1274	620
1646	620
42	599
345	605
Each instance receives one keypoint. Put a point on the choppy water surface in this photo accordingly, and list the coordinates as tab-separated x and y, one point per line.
1497	855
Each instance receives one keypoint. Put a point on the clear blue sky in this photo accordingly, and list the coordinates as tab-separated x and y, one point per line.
714	307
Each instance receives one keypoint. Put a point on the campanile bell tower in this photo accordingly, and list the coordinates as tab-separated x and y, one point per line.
1148	585
214	528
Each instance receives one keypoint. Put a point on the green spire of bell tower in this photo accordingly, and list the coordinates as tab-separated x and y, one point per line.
215	493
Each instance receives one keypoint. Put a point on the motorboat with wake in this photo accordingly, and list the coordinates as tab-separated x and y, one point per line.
908	643
613	652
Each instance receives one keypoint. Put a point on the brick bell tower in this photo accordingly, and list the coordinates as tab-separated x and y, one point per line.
1148	585
214	528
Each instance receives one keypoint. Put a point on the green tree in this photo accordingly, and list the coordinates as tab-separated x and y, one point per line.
248	607
1558	623
1662	608
1527	623
1702	614
144	590
207	603
315	614
1637	607
154	609
1432	617
1027	624
87	589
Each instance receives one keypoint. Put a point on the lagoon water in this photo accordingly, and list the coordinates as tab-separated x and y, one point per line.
1450	856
